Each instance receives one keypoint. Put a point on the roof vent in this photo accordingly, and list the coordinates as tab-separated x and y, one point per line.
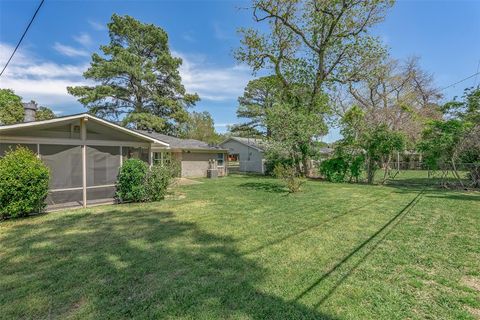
30	111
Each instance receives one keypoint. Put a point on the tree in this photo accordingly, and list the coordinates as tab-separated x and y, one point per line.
456	138
139	81
200	126
399	95
44	113
11	108
380	144
310	46
259	96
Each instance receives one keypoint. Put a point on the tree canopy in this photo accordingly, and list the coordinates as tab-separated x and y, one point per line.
200	126
11	108
138	79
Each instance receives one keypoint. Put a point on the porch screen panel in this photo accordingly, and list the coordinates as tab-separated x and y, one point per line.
65	163
4	147
137	153
103	163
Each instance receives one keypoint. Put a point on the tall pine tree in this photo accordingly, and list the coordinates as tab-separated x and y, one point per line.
138	79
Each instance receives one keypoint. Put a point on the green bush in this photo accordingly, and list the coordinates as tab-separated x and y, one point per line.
131	181
157	181
342	168
23	183
290	177
334	170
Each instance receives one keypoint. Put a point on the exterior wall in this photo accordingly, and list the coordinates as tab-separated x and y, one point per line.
250	159
196	164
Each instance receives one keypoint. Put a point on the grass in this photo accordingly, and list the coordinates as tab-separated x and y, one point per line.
242	248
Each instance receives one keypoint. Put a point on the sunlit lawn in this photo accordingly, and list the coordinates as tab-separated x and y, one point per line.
242	248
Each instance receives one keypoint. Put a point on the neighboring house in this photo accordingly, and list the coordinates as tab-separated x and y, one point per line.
249	152
84	154
195	156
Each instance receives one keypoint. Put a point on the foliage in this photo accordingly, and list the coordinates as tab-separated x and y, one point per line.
290	177
380	143
398	94
11	108
200	126
439	141
138	77
158	179
23	183
455	139
44	113
131	181
259	96
309	46
343	167
292	133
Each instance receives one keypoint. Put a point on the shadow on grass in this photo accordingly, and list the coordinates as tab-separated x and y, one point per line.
267	186
473	196
350	266
131	263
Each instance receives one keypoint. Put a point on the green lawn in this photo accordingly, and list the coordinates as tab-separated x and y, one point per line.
242	248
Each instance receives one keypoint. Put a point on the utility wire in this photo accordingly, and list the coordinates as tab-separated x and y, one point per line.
478	69
465	79
23	36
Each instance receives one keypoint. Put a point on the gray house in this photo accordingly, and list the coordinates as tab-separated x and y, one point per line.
84	154
247	152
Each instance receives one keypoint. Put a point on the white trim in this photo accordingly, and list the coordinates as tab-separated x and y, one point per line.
81	188
245	144
83	116
73	142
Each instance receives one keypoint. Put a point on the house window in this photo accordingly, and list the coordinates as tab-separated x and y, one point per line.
220	159
162	158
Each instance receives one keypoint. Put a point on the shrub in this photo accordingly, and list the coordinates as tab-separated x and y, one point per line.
334	170
158	180
131	181
290	177
23	183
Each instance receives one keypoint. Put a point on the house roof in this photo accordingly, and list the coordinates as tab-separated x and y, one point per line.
255	143
33	124
178	143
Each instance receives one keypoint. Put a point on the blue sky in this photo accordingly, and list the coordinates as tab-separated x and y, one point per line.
55	52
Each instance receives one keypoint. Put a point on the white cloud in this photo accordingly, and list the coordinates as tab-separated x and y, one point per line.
97	25
212	82
70	51
187	36
43	81
220	32
84	39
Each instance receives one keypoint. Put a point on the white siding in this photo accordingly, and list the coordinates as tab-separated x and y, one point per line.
250	159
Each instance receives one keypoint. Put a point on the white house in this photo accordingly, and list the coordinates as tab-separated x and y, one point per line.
248	152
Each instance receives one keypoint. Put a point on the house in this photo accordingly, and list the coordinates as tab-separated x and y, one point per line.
84	154
248	152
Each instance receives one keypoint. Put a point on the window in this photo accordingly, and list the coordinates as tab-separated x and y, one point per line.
162	157
220	159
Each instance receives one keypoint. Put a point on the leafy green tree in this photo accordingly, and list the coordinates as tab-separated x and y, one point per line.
11	108
380	144
138	79
310	46
200	126
259	96
44	113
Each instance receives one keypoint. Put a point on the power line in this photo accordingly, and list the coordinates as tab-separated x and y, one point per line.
478	69
465	79
23	36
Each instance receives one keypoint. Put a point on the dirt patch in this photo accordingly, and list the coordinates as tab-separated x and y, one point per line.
472	282
473	311
185	182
